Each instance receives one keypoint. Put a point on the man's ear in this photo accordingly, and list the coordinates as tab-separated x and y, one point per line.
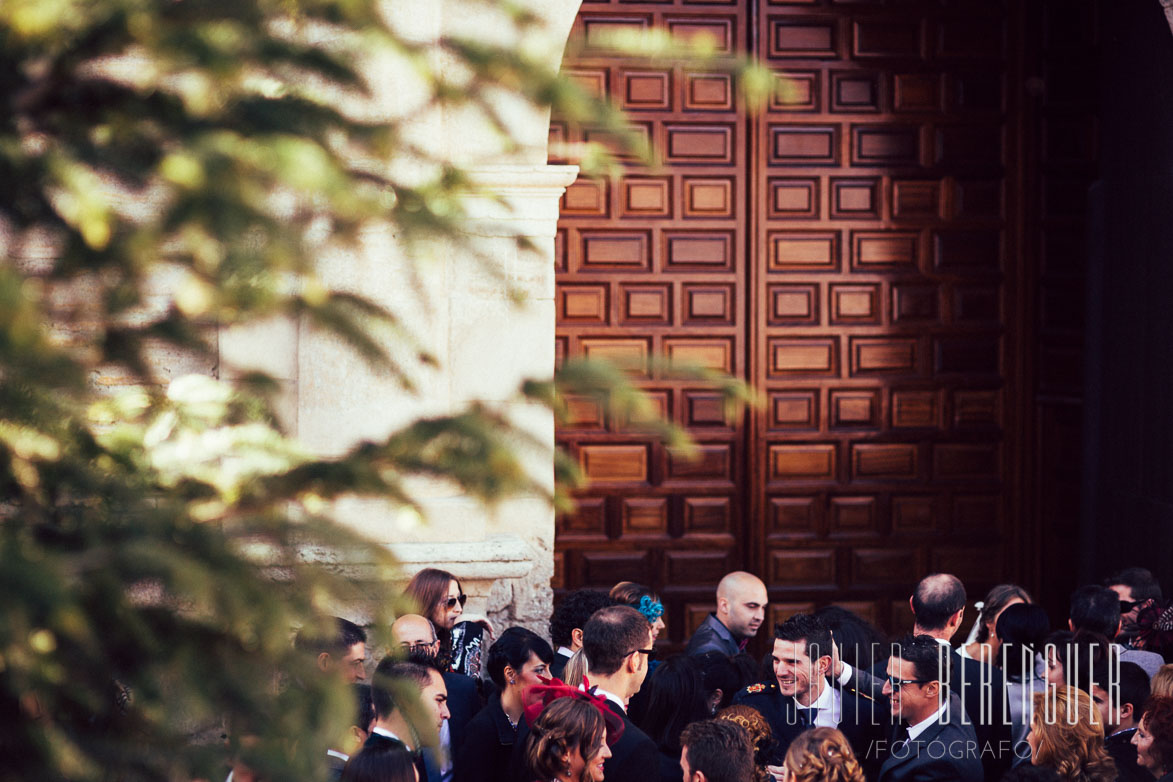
324	661
1125	711
1071	625
823	665
722	605
576	637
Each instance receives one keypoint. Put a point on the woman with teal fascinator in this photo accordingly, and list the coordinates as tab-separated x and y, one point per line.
647	602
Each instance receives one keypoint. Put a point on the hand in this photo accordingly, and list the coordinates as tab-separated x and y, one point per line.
778	773
485	623
836	663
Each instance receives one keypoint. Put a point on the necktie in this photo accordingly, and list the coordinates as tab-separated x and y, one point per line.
807	716
900	747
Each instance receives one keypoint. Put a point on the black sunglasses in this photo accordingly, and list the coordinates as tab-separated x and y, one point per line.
896	684
451	602
651	653
1128	605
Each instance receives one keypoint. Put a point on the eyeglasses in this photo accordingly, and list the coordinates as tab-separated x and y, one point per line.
415	646
651	653
451	602
1128	605
896	684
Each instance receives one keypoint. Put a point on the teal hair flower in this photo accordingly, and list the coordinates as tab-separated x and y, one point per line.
651	609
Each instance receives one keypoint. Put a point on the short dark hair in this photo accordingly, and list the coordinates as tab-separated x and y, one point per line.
675	696
365	706
929	658
808	628
719	749
513	648
390	677
1021	628
610	635
1140	580
1095	609
937	598
1131	678
346	635
574	611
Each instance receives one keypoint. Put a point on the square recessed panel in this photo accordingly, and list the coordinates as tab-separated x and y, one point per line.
614	463
796	91
583	304
629	353
855	92
647	90
600	31
705	409
646	304
708	91
645	516
708	197
855	198
793	305
916	92
715	353
793	197
852	409
794	409
797	461
626	143
916	198
853	514
855	304
707	304
915	409
914	303
646	197
878	355
790	515
593	80
585	198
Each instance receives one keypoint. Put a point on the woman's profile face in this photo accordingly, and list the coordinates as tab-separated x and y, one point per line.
532	672
657	626
449	609
1034	739
594	764
1144	744
1055	675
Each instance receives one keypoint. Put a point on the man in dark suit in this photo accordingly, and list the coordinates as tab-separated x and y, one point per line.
938	605
567	622
412	725
741	609
617	642
802	697
931	741
1119	690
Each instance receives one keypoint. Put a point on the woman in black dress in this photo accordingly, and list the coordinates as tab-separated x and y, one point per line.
518	660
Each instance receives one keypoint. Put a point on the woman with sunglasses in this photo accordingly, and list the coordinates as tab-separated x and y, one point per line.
438	596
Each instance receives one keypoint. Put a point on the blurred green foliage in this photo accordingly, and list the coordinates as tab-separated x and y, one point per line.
158	545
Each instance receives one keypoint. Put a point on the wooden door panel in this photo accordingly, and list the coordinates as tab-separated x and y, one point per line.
847	251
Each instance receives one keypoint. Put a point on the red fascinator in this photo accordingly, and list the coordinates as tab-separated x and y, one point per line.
541	695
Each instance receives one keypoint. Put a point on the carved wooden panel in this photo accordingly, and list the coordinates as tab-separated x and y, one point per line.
847	251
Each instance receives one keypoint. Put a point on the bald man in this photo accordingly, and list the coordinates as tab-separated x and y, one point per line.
415	638
741	609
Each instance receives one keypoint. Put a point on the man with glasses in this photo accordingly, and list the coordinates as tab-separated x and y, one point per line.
415	638
1097	609
1135	586
617	642
931	739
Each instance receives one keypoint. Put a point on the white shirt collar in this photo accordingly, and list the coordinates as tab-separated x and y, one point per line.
336	754
608	695
566	651
943	642
829	707
387	733
923	725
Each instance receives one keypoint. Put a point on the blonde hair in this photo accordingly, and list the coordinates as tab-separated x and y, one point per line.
1071	736
1163	681
761	736
576	668
822	755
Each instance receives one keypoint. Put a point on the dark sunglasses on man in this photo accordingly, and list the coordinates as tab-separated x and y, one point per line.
451	602
1128	605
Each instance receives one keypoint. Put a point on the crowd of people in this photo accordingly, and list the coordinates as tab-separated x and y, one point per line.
1086	699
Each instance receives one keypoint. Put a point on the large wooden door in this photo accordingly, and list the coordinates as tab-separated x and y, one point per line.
852	252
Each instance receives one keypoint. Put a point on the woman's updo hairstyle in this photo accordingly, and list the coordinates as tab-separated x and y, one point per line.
566	725
823	755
